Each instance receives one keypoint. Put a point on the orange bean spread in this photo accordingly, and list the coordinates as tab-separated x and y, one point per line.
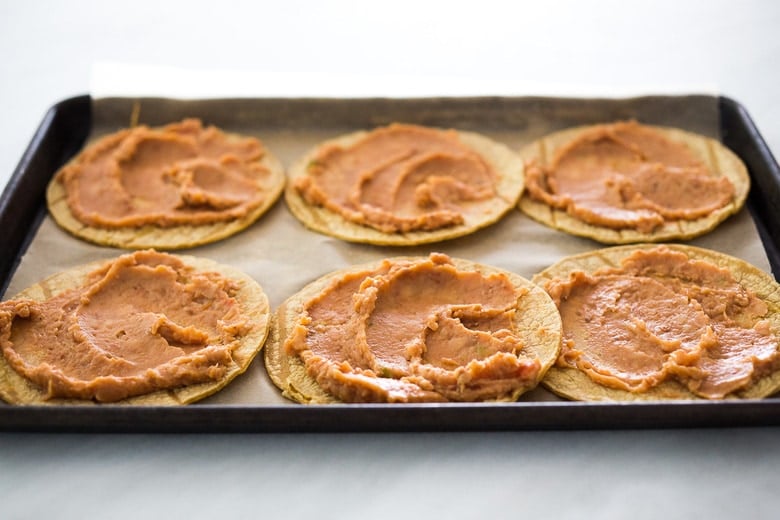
143	322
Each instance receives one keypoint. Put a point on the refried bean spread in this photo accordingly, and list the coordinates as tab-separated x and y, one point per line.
180	174
410	331
400	178
144	322
627	176
662	316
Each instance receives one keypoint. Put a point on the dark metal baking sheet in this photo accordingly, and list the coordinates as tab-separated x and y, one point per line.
68	124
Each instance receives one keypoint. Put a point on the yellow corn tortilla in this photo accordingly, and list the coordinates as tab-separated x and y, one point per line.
509	187
538	325
572	383
715	155
163	238
15	389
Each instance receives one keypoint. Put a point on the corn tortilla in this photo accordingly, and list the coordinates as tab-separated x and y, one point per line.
572	383
16	389
164	238
719	160
537	324
509	186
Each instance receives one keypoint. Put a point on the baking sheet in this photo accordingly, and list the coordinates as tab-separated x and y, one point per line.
283	256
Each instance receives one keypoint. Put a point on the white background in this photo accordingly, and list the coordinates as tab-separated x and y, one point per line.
47	53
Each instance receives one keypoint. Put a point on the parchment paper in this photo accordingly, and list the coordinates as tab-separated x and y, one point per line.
283	256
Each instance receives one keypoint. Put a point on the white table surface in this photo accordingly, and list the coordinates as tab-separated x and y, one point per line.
47	50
